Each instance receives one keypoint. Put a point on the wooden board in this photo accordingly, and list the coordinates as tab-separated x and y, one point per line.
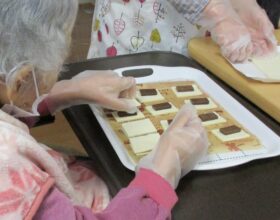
265	96
165	89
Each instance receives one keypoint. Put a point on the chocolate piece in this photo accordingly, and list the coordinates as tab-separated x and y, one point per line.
125	114
108	110
162	106
148	92
208	116
200	101
230	130
187	88
169	121
160	131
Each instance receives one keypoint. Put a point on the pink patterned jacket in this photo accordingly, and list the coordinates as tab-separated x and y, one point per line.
39	183
29	170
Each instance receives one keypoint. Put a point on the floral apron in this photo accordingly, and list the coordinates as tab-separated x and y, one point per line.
133	26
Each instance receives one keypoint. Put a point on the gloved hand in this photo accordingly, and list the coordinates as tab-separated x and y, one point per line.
104	88
227	30
259	26
180	147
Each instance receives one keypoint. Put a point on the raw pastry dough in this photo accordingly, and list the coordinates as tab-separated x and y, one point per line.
196	92
210	105
270	66
139	127
151	98
142	144
232	137
150	109
128	118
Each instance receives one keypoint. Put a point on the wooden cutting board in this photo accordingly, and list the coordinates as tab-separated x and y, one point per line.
265	95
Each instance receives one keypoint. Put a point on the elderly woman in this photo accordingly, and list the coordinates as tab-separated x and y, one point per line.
39	183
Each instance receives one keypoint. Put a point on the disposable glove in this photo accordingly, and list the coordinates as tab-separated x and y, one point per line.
227	30
104	88
180	147
259	26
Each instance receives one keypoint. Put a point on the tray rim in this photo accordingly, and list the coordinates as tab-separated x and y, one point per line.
130	164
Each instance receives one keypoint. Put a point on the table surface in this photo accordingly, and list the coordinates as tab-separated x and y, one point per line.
249	191
264	95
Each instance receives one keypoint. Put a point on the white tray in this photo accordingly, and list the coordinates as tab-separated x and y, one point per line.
270	141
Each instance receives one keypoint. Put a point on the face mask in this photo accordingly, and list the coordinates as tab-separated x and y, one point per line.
13	110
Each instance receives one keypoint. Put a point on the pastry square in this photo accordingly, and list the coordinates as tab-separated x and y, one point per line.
231	133
211	118
123	116
137	128
186	91
161	109
145	143
270	66
148	95
202	103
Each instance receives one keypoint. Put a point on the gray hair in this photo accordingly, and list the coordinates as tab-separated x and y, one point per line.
37	31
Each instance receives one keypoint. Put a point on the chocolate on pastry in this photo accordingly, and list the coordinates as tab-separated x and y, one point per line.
125	114
230	130
200	101
187	88
162	106
208	117
148	92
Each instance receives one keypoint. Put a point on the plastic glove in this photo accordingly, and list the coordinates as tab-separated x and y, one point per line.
180	147
227	30
104	88
259	26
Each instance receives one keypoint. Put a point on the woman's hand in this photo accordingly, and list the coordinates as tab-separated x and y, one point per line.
227	30
105	88
259	26
179	148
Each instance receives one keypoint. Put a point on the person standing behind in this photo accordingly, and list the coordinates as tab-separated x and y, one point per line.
124	27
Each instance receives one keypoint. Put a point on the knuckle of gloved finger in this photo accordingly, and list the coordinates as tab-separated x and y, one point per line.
192	135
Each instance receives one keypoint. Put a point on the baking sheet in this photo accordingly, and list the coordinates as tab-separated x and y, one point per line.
250	70
270	141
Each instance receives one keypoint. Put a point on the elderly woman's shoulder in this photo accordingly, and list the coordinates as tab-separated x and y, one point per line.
22	180
6	119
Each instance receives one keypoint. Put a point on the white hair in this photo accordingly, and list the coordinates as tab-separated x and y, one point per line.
37	31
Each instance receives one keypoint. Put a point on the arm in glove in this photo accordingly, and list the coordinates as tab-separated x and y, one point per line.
259	26
179	148
104	88
227	30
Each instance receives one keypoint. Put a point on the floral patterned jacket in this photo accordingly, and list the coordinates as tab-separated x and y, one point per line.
28	170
